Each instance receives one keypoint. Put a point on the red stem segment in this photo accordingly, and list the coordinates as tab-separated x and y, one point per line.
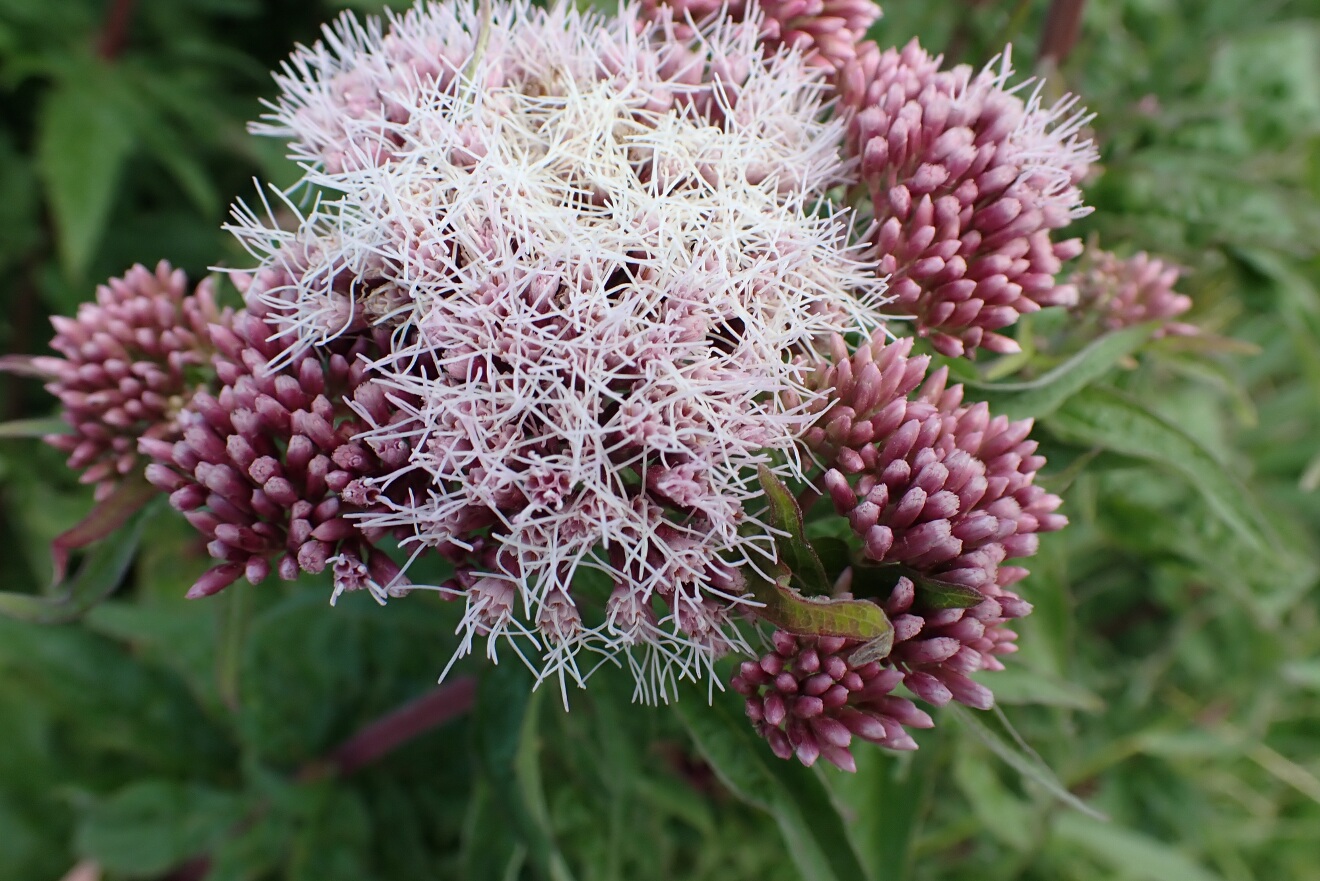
1063	22
114	32
391	731
377	739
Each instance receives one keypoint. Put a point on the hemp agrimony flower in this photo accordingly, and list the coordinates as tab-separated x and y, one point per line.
268	469
603	255
966	180
826	32
126	368
578	304
1118	292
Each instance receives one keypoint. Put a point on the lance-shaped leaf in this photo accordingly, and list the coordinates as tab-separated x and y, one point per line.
935	594
795	551
97	577
32	428
1101	417
1042	396
812	827
790	611
109	514
994	730
932	593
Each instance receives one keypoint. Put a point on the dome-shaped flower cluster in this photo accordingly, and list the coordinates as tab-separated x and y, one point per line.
557	292
808	696
127	368
1120	292
608	250
826	32
269	470
938	490
965	181
935	485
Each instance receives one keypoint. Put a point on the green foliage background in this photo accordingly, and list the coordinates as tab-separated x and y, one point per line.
1170	675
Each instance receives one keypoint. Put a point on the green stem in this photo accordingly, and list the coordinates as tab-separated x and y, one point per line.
233	634
483	40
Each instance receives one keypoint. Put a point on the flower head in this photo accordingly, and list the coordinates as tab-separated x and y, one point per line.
1120	292
810	696
929	483
939	493
127	368
597	250
267	468
966	179
827	32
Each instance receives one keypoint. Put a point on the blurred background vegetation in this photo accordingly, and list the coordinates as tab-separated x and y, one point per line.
1170	675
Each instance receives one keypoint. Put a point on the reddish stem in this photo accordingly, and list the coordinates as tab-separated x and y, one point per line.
114	32
368	745
1063	23
394	729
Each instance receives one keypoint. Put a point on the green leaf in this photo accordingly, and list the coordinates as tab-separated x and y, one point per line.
254	852
1042	396
83	142
1019	686
1304	674
878	582
151	826
165	139
795	551
810	824
33	428
19	202
311	675
98	576
1130	853
179	636
505	734
333	838
788	610
1112	420
1003	814
935	594
108	515
886	800
993	730
491	849
1299	303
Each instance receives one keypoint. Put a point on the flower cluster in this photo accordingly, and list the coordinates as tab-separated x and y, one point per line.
1122	292
808	696
827	32
555	290
939	490
938	486
269	469
127	367
604	243
965	180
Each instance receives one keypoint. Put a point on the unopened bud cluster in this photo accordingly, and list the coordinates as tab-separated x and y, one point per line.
125	370
966	182
1120	293
926	481
809	698
269	469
